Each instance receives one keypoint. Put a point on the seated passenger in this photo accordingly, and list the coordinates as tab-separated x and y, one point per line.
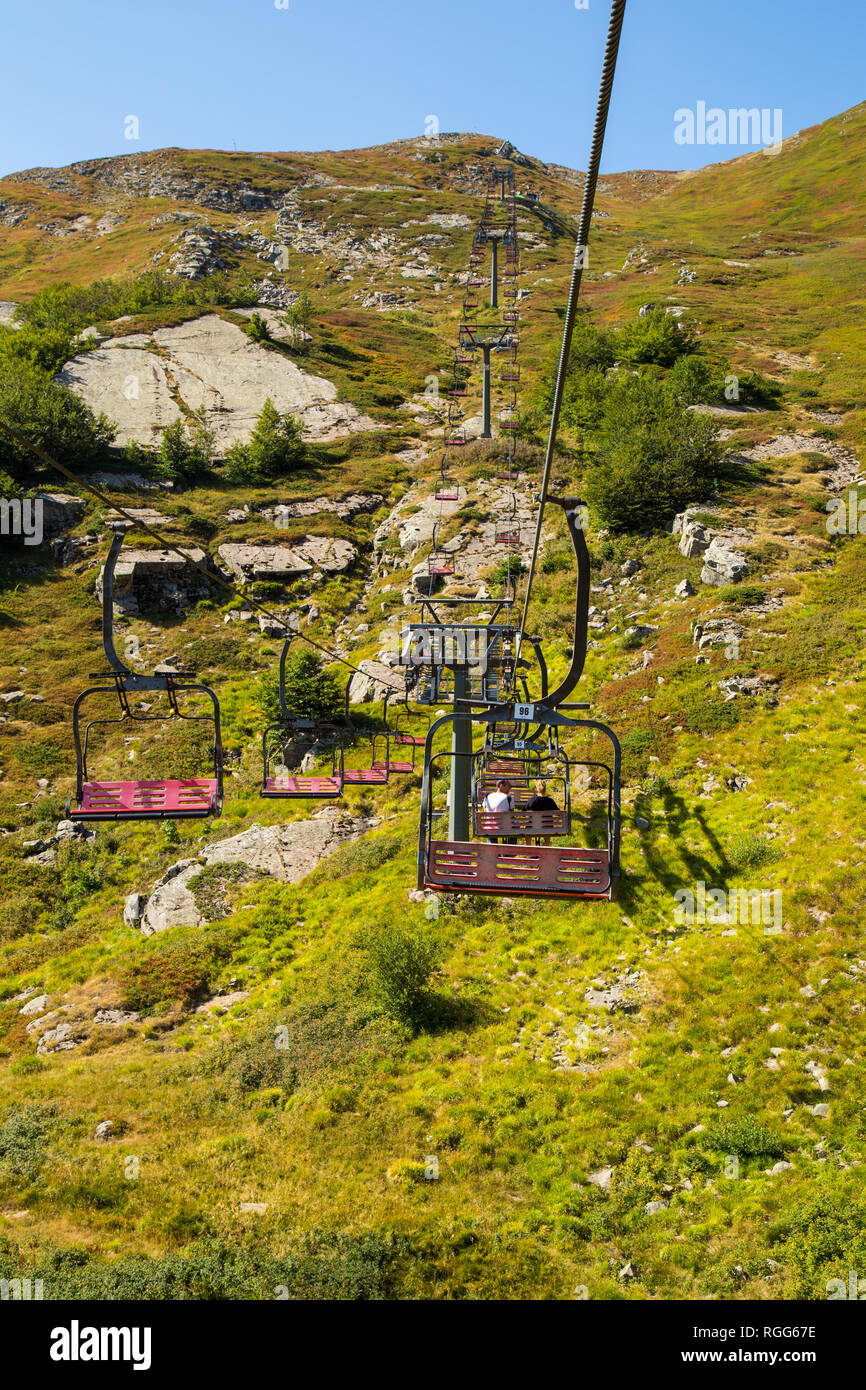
499	803
540	802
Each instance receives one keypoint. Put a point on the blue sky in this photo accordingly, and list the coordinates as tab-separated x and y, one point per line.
335	74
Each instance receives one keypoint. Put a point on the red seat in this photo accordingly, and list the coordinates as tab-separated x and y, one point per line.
356	775
302	786
515	870
520	821
190	796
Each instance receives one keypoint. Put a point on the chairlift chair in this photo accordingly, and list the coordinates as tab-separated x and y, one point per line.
175	798
377	773
278	782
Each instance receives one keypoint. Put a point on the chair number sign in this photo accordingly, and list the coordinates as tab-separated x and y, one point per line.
523	712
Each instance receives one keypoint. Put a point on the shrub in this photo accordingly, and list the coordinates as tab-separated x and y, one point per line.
748	1138
658	337
24	1137
275	448
692	380
403	961
743	595
51	417
17	915
751	851
653	456
823	1238
362	856
258	330
175	972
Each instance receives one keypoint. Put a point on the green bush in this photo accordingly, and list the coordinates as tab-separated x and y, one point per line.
653	456
751	851
258	330
658	337
748	1138
403	961
24	1137
743	595
360	856
50	416
275	449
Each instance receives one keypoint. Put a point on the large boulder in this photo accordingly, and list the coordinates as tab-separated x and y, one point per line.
377	679
142	382
723	565
284	852
329	554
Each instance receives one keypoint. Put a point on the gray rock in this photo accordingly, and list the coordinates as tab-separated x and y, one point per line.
695	539
602	1178
653	1208
781	1167
379	679
105	1130
684	589
62	1038
629	568
115	1018
133	909
723	565
38	1005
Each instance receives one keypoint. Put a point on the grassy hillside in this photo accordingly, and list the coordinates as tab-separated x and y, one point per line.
459	1149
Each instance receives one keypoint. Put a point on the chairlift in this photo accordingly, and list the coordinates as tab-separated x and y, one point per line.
174	798
278	782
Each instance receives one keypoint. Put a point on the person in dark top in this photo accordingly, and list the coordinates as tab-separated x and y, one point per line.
541	802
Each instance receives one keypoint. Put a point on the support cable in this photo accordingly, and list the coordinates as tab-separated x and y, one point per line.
617	14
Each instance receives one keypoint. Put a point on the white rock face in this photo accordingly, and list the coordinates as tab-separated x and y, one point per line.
207	363
276	562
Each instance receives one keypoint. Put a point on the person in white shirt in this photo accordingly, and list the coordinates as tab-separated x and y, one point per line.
500	802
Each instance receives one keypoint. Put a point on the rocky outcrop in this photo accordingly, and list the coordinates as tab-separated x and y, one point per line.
376	681
326	554
284	852
146	382
159	581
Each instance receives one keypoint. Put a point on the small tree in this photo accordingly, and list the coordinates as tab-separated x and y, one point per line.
311	691
275	448
654	456
404	961
258	330
186	449
44	413
299	317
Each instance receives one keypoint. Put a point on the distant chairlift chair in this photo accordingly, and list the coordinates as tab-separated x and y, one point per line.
281	783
